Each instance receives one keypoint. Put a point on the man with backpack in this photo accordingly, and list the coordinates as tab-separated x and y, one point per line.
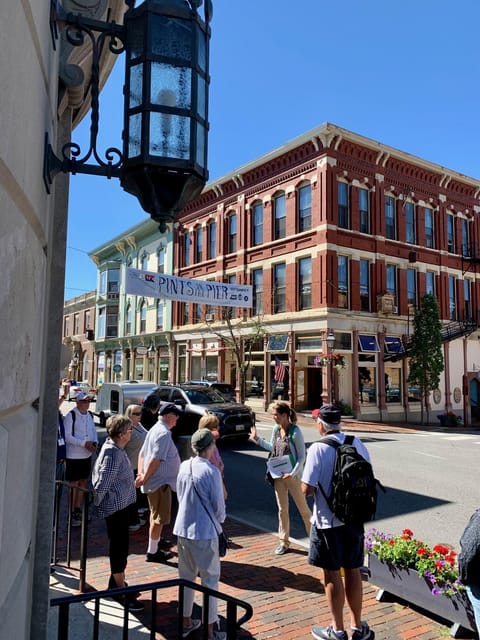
337	544
81	440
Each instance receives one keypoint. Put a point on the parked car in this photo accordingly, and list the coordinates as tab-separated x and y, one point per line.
82	387
225	389
114	397
197	400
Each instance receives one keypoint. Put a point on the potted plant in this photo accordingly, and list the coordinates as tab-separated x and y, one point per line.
449	419
324	359
410	570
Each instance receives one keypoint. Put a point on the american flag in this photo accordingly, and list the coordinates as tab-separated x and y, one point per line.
279	370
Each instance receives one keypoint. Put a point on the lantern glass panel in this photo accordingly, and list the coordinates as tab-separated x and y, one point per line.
169	136
171	86
201	145
136	85
201	97
172	38
136	38
202	50
134	135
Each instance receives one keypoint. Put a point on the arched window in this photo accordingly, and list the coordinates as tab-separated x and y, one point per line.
257	223
128	321
232	233
143	317
304	207
279	216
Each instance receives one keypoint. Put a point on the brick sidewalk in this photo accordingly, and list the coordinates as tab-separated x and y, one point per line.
285	592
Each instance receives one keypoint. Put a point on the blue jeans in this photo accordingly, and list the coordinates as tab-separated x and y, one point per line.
473	592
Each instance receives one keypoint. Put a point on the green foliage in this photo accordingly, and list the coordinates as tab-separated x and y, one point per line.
437	564
426	356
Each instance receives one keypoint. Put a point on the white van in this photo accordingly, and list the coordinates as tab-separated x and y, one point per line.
114	397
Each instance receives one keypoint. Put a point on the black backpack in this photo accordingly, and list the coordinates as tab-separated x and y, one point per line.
354	487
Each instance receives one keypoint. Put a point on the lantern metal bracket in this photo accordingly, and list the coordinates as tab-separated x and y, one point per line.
79	29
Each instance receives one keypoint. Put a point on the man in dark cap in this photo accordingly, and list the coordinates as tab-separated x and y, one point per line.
150	408
333	544
158	465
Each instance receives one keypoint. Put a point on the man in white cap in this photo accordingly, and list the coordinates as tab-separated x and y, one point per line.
333	544
81	441
158	465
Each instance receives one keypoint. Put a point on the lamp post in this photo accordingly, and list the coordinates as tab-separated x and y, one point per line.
330	340
164	157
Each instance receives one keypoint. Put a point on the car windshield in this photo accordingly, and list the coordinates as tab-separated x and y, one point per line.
204	396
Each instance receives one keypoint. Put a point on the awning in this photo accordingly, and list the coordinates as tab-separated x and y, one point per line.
368	344
393	345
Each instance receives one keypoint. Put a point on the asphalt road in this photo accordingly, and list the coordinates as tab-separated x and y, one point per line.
431	480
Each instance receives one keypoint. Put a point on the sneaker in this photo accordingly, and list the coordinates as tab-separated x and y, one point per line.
165	543
365	633
159	556
187	630
280	550
219	635
133	604
143	511
327	633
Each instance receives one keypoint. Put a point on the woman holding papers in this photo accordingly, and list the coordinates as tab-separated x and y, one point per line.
285	465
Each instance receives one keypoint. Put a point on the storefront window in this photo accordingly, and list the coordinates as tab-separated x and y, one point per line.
393	387
367	379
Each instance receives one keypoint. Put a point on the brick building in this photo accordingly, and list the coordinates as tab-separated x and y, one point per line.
78	333
341	234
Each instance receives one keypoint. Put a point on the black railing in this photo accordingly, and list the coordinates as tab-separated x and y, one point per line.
65	603
60	485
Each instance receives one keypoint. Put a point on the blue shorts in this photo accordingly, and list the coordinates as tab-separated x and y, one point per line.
337	547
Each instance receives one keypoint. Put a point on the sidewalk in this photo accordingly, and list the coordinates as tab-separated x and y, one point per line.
285	592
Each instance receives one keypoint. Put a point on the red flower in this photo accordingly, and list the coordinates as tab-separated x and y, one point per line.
407	534
422	551
439	548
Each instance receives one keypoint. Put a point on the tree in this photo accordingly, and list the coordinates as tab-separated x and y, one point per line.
426	356
241	340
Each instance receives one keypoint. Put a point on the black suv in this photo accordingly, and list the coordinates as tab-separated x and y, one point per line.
197	400
225	389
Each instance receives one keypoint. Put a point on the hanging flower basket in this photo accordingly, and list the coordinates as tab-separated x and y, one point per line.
325	359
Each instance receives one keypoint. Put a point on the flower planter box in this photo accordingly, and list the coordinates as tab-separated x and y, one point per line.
406	585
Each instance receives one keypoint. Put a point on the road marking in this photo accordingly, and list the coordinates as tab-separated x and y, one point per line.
429	455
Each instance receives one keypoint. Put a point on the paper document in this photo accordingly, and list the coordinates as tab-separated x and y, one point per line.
279	465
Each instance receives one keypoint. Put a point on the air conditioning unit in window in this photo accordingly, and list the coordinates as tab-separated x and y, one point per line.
209	317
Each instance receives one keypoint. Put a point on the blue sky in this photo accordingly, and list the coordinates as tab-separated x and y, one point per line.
403	73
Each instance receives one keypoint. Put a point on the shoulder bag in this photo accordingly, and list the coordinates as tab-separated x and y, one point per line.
223	542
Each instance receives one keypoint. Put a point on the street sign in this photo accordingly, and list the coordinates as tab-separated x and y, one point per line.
117	368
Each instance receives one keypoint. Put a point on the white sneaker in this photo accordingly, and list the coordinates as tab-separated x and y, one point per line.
219	635
187	630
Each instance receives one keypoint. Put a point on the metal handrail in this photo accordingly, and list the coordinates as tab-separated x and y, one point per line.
59	485
233	603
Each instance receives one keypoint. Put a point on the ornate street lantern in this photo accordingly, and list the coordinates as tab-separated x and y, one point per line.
164	158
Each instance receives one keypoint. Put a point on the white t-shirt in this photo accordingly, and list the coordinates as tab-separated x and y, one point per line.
319	469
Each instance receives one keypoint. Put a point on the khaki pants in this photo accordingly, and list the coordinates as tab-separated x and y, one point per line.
284	486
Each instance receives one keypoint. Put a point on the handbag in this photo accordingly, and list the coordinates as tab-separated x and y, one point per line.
224	542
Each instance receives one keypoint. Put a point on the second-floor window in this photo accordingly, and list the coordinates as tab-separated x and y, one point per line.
87	319
450	233
112	323
430	282
392	282
305	283
76	324
410	235
279	217
109	282
412	287
343	206
66	326
390	218
257	285
257	224
452	298
102	315
304	208
143	317
128	321
279	288
364	285
343	289
159	315
212	240
232	233
467	285
161	260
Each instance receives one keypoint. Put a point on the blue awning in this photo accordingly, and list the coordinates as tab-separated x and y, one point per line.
394	345
368	344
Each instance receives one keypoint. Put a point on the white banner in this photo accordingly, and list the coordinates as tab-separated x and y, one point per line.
161	285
